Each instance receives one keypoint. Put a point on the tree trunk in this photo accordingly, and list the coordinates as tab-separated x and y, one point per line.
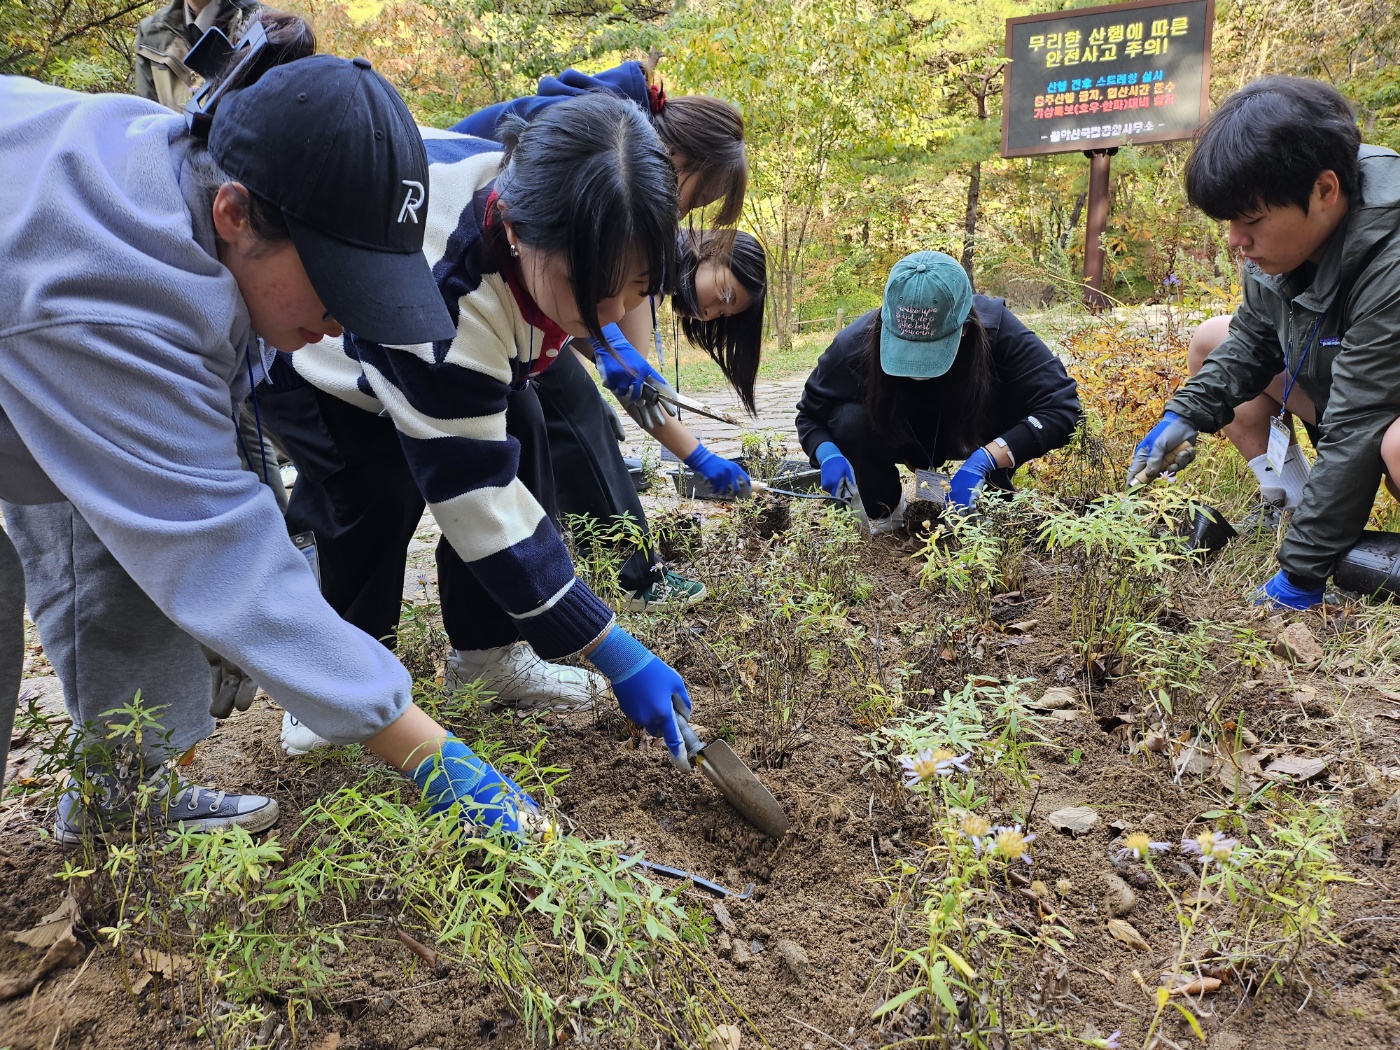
974	194
1073	221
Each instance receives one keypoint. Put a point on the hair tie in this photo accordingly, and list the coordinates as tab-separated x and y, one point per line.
656	94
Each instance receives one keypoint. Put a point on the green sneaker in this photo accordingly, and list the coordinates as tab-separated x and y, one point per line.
672	589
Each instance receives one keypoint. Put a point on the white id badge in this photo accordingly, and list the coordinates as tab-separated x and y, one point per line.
1280	437
930	486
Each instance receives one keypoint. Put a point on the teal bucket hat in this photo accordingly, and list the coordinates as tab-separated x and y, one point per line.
927	299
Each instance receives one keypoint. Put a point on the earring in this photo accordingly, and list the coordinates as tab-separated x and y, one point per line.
514	251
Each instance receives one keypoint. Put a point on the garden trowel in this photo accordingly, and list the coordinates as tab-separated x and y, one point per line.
850	495
735	781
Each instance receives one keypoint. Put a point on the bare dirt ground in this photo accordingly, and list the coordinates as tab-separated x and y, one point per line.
826	888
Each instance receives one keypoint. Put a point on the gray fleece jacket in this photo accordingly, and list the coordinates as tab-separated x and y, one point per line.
1352	372
125	350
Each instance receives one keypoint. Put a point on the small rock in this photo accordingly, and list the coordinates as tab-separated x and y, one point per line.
1066	715
885	845
722	915
756	946
1297	645
385	1005
742	958
796	959
1120	898
724	946
1074	819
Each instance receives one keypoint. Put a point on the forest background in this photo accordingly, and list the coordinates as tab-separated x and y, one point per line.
873	125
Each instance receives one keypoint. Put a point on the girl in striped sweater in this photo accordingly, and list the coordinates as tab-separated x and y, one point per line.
557	237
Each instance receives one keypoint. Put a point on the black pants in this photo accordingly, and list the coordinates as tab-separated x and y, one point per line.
354	490
875	459
590	476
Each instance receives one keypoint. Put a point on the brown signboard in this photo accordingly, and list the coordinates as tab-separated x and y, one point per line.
1099	77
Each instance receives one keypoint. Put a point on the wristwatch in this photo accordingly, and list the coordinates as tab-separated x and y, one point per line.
1001	443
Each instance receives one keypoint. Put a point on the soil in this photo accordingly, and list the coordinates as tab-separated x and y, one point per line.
820	887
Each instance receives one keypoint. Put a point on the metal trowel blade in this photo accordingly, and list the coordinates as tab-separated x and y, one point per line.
745	792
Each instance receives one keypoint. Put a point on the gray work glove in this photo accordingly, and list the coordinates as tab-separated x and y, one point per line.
647	411
232	686
616	425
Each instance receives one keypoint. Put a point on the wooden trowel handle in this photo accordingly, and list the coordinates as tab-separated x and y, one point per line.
1141	476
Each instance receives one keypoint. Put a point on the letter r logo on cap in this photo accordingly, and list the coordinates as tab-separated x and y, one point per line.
412	200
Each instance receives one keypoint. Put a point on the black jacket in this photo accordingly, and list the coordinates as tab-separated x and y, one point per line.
1033	405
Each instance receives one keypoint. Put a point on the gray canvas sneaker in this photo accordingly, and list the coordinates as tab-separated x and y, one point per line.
123	807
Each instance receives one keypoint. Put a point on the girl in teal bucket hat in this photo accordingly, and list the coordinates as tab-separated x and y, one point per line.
938	373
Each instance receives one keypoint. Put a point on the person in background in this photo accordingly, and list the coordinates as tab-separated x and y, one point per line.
718	297
1316	215
161	260
165	38
554	238
704	137
935	374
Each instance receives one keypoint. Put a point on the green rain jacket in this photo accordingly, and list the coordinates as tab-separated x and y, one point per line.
1351	373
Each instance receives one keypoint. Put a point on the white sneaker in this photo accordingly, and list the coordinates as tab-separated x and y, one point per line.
298	738
522	680
895	522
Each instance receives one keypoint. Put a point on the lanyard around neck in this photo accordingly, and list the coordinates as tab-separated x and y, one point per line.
1290	379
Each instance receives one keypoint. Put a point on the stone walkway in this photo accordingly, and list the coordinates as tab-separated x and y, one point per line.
777	410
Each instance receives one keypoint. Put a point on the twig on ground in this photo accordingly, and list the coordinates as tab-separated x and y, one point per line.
818	1031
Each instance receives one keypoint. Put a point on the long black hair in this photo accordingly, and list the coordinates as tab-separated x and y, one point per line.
959	396
733	343
589	179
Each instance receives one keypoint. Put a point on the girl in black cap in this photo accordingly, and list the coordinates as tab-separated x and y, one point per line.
937	373
147	274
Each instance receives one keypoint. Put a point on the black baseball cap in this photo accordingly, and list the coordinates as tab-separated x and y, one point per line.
331	143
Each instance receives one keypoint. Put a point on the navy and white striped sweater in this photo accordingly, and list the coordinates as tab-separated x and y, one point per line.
448	401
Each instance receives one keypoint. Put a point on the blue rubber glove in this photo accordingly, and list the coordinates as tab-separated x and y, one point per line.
971	476
624	374
1170	445
836	468
725	478
1283	593
456	774
646	688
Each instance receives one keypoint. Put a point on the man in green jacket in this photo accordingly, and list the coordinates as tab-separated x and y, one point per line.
165	38
1316	215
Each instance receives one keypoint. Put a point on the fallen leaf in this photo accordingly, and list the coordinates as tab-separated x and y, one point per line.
1074	819
63	952
53	926
1296	766
1021	626
723	1037
1057	699
330	1042
1127	934
1066	715
1199	986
